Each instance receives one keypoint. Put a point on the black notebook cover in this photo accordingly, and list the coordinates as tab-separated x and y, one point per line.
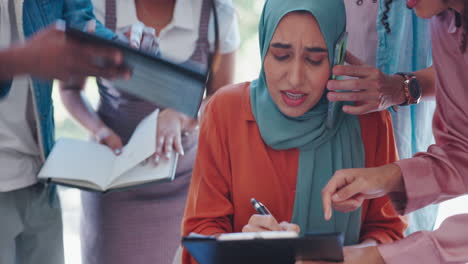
324	247
154	79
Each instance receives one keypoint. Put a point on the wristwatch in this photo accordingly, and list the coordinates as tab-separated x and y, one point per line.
411	87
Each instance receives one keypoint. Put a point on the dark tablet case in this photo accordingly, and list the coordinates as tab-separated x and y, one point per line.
324	247
154	79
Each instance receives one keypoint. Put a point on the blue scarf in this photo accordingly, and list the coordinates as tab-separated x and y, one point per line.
322	150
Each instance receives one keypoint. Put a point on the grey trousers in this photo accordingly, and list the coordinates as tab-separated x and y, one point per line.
30	229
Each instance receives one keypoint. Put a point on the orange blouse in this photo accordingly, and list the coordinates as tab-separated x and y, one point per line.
233	164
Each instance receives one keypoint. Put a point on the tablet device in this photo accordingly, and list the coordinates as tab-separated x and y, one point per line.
319	247
155	79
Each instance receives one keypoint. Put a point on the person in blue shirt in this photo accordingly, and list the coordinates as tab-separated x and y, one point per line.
33	52
389	46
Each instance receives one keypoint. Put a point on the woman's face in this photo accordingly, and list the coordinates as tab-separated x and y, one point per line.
296	64
429	8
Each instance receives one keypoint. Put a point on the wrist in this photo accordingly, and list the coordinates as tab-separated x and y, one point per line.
101	133
14	62
97	128
398	96
394	178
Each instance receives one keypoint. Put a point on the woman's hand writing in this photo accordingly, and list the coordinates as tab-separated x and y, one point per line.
261	223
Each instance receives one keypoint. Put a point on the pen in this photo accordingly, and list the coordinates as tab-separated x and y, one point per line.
259	207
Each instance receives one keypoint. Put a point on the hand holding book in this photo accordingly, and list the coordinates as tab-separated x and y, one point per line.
90	165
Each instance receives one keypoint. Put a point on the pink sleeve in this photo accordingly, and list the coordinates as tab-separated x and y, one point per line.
448	244
438	174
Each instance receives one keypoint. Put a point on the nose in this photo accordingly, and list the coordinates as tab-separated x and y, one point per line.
296	73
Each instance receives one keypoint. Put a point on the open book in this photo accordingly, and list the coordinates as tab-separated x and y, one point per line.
90	165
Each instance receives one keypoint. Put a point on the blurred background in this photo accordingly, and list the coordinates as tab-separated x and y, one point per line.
247	69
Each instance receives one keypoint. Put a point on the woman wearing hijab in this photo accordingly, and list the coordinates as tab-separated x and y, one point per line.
268	139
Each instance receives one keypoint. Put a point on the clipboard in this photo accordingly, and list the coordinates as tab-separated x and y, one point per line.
154	79
318	247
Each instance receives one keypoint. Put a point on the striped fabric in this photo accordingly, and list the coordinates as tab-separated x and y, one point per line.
111	13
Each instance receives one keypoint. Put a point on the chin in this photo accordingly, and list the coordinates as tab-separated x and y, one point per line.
292	111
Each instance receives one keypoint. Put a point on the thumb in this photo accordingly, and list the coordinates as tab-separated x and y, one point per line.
348	192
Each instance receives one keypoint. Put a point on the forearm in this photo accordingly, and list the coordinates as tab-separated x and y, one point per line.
426	78
13	62
441	170
79	109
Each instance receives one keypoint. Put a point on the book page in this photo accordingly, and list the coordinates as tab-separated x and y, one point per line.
84	185
141	146
73	159
164	171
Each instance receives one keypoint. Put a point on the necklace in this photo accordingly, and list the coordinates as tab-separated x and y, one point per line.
360	2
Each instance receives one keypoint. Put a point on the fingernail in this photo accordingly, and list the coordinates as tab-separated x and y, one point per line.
182	152
327	216
156	159
335	197
117	151
168	154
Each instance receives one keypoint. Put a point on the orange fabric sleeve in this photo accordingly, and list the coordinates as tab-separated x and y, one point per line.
208	210
380	220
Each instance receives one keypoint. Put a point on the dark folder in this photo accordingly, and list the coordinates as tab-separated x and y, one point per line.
154	79
209	250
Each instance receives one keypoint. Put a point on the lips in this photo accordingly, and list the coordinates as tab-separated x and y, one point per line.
292	98
411	3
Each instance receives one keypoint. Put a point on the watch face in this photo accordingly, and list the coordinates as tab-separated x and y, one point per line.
414	89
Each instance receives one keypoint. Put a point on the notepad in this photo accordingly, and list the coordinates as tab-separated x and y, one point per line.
93	166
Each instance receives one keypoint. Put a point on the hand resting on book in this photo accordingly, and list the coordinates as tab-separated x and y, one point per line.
171	125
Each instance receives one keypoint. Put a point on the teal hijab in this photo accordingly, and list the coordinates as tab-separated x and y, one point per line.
322	150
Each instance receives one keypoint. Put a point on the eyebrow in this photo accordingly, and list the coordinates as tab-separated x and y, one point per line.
316	49
288	46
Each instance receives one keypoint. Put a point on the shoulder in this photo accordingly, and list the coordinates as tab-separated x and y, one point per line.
226	109
230	98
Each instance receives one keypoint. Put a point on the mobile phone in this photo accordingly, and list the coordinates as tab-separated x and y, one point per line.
340	54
